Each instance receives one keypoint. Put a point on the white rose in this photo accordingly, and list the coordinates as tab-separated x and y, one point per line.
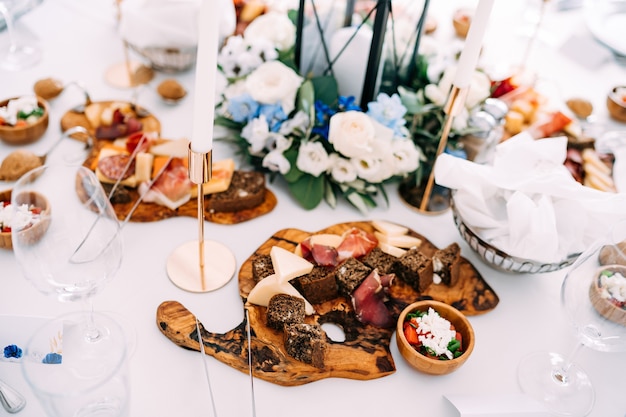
278	142
479	88
342	170
372	169
406	156
256	133
300	121
273	82
312	158
352	133
276	161
274	26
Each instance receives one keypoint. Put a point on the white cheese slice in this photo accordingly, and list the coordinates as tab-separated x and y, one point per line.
176	148
391	250
389	229
143	166
269	286
288	265
401	241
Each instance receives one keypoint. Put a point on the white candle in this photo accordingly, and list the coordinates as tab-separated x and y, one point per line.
349	67
206	66
473	44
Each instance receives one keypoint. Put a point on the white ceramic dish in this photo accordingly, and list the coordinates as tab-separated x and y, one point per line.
606	19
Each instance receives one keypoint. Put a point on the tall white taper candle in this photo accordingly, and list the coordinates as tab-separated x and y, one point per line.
206	66
473	44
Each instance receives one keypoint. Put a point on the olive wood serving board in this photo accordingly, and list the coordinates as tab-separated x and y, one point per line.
365	354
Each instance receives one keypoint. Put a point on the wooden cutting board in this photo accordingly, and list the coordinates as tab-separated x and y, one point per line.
365	353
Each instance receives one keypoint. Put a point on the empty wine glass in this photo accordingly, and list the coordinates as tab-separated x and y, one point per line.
19	54
593	295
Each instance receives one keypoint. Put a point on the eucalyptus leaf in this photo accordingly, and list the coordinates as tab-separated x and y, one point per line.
326	89
308	190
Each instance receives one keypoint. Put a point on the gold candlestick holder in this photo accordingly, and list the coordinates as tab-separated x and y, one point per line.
202	265
454	105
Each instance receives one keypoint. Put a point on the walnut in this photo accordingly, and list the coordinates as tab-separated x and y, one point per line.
48	88
171	90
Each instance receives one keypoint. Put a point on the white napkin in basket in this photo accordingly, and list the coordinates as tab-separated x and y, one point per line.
169	23
526	203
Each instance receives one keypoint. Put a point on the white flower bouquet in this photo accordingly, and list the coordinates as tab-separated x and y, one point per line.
322	144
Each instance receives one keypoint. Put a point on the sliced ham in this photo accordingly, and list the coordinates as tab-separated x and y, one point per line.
323	255
356	243
172	188
369	298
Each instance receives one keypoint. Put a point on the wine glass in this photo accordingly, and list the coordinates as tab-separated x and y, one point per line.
19	54
592	295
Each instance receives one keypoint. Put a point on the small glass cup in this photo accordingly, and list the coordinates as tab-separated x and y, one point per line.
71	374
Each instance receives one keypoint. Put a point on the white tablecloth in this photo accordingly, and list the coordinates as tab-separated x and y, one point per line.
80	42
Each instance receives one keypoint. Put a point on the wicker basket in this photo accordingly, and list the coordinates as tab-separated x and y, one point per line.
501	260
167	59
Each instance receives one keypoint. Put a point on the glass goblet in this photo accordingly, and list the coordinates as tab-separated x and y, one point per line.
73	247
19	54
73	376
593	295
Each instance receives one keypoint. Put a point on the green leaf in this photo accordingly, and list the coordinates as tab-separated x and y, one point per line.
306	97
226	122
308	190
329	195
326	89
294	173
358	201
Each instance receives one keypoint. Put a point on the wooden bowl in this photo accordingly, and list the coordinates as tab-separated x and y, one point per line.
33	233
429	365
606	308
23	135
616	103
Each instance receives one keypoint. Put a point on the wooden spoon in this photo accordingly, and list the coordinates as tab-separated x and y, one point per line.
19	162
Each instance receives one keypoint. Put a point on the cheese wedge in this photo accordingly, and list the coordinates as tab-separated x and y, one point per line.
401	241
288	265
269	286
177	148
143	166
391	250
222	174
390	229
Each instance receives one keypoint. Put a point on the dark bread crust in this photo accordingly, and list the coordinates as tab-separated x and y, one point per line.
246	191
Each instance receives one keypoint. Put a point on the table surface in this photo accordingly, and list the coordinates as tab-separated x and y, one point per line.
80	41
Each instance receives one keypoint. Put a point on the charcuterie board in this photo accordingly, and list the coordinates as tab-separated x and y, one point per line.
365	352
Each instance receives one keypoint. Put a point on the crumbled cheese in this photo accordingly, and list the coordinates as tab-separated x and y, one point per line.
25	104
437	267
434	332
16	219
614	286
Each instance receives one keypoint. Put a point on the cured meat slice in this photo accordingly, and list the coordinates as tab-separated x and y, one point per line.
369	298
356	243
174	183
114	166
323	255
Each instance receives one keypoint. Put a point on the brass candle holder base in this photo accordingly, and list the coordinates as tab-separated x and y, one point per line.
128	74
201	265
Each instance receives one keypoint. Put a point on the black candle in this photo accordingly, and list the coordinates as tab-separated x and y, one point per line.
299	26
376	49
347	20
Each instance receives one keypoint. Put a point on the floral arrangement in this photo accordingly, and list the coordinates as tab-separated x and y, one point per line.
322	144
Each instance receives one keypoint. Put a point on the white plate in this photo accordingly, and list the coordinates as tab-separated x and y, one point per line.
606	20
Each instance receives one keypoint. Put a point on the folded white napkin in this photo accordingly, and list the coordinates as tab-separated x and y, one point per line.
169	23
526	203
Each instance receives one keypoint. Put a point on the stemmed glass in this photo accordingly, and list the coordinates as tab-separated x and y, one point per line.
592	294
71	251
19	54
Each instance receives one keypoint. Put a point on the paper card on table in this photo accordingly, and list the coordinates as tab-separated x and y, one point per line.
497	405
584	50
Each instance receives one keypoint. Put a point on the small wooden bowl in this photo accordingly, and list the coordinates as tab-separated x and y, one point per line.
602	305
435	366
616	104
31	234
23	135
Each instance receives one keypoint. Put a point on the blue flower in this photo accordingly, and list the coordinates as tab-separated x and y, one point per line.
348	103
52	358
12	351
243	108
323	113
274	114
388	111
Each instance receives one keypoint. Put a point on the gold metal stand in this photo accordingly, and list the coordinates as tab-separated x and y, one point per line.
453	106
205	265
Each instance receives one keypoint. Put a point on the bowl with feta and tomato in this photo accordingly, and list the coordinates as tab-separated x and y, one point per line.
23	120
434	337
29	215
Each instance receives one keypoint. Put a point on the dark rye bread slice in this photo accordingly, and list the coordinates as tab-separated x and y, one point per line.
262	267
377	259
447	264
246	191
306	343
349	275
415	268
284	309
318	286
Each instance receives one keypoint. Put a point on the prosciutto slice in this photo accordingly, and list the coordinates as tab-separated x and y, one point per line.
172	189
356	243
369	298
319	254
